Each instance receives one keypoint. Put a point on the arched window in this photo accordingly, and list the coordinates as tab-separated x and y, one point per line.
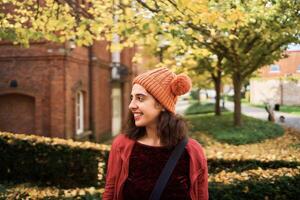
79	113
274	68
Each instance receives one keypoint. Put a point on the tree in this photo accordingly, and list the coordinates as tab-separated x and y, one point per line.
214	66
246	34
55	20
260	41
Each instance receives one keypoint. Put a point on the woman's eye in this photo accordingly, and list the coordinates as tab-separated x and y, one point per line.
140	98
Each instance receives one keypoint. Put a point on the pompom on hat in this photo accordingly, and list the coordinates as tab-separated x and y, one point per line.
164	85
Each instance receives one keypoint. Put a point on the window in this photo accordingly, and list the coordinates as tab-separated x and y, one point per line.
79	112
274	68
298	68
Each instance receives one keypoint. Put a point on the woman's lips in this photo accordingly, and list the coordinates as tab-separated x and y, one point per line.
137	116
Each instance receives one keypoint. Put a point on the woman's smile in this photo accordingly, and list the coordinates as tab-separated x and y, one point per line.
137	115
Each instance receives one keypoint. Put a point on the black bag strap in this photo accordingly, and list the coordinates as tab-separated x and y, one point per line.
167	170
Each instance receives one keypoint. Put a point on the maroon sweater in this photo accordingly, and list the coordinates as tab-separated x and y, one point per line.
145	165
118	169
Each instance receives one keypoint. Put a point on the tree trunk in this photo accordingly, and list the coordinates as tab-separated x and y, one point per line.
237	85
199	97
217	84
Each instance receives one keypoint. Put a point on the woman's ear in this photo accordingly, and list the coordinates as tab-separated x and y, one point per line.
159	106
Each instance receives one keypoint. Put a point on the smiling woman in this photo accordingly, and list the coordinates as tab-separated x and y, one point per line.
149	144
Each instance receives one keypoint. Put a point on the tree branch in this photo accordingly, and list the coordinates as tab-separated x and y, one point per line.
155	10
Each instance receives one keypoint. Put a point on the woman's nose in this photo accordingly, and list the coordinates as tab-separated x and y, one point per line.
132	105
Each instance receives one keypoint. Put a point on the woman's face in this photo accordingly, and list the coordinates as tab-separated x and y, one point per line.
144	107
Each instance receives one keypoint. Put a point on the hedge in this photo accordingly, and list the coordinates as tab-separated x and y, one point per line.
65	163
282	188
52	161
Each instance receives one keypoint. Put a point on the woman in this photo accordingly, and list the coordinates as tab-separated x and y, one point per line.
138	156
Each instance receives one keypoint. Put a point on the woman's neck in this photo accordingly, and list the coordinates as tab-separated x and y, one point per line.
151	137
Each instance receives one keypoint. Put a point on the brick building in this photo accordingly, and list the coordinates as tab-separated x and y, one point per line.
60	91
278	83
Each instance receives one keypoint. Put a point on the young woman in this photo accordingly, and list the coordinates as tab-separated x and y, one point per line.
139	155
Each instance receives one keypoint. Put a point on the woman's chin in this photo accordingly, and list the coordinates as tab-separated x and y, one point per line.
139	124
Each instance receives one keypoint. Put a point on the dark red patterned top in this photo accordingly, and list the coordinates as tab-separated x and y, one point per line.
145	165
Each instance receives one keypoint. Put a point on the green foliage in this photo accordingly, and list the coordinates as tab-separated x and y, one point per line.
51	161
221	128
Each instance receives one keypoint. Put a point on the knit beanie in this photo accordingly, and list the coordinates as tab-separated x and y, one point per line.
164	85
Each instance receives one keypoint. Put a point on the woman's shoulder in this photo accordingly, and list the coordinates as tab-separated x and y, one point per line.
194	147
121	140
194	143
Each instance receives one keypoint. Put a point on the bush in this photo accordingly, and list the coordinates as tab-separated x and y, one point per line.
51	161
222	129
218	165
253	179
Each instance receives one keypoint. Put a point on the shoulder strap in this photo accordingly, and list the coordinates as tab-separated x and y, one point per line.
167	170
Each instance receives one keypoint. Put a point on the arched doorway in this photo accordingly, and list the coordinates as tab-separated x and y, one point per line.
17	113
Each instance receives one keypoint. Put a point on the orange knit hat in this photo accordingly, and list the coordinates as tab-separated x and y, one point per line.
164	85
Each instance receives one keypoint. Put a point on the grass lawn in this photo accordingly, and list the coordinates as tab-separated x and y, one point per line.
202	108
222	129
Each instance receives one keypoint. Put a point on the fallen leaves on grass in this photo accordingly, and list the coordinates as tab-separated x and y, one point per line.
280	148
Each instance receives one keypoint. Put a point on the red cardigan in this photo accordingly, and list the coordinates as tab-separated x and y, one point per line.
118	167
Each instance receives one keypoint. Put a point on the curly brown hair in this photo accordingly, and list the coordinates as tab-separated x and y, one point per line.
171	128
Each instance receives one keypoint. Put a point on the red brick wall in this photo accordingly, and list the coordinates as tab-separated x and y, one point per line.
24	64
76	79
101	100
41	73
101	87
50	76
126	58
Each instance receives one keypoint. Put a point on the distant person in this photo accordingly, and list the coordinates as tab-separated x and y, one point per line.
139	155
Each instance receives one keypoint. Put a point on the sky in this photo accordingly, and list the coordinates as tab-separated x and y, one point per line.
294	47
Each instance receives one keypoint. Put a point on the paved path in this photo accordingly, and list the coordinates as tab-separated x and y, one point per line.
291	120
